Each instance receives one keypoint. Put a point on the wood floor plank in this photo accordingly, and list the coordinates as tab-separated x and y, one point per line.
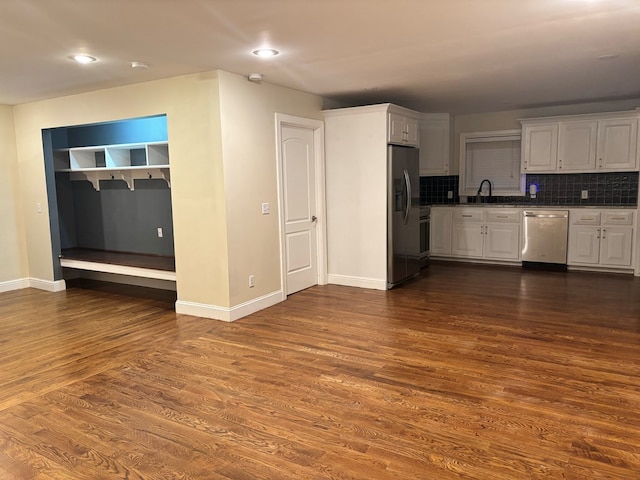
471	372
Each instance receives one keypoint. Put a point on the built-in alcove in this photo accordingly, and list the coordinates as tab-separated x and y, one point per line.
109	194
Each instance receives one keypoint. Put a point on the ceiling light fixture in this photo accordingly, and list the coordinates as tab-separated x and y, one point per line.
266	52
83	58
139	65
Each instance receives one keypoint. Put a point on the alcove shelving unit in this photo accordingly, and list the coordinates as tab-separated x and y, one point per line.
128	162
114	227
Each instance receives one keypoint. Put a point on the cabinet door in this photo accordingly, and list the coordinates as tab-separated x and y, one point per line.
502	241
467	239
411	132
617	143
434	146
440	231
584	245
616	246
539	148
396	129
577	146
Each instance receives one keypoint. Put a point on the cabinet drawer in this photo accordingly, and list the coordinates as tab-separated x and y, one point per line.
503	216
617	218
468	215
585	218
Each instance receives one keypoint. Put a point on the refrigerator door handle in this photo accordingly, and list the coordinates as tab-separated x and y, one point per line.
408	207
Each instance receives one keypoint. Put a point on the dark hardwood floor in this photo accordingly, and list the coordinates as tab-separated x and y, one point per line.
468	372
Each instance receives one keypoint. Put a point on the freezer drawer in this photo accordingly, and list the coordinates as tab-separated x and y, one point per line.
545	235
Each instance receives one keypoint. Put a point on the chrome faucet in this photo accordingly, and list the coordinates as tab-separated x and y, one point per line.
478	195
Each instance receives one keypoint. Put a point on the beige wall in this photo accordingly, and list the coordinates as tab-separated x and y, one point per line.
483	122
192	108
13	258
223	166
250	168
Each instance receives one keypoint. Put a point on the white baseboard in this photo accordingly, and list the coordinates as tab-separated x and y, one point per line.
14	285
48	285
229	314
361	282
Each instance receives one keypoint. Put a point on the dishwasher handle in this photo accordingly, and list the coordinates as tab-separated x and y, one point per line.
546	215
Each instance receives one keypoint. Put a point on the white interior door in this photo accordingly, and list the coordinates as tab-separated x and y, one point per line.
298	159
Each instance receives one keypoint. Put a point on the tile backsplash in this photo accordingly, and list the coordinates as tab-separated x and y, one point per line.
615	189
434	190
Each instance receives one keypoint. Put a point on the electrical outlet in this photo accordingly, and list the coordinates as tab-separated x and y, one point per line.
585	194
159	232
450	194
252	281
266	209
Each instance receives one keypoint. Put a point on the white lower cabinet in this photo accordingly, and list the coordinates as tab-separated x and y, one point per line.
502	241
440	231
601	238
486	233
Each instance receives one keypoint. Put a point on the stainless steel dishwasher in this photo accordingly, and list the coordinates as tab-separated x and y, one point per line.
545	237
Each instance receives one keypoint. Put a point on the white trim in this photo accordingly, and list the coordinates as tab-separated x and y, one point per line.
380	107
118	269
321	210
10	285
596	269
48	285
361	282
229	314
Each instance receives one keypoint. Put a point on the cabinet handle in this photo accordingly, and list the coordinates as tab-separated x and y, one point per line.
600	163
604	233
560	163
502	216
467	216
598	235
525	164
481	229
486	229
618	218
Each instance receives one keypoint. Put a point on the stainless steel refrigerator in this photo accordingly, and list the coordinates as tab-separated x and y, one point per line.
403	214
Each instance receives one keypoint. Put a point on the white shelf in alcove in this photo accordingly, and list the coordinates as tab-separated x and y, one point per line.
128	174
81	162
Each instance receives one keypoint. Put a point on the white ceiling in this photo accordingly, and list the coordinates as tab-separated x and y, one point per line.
431	55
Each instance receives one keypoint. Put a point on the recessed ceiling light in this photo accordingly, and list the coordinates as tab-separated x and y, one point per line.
266	52
83	58
139	65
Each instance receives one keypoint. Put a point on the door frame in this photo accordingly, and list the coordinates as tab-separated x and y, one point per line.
321	226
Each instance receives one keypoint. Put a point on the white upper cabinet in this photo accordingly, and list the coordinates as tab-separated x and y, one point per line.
580	143
539	148
434	144
402	127
617	144
577	146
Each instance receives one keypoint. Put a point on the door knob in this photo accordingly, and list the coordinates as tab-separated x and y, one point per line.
314	218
